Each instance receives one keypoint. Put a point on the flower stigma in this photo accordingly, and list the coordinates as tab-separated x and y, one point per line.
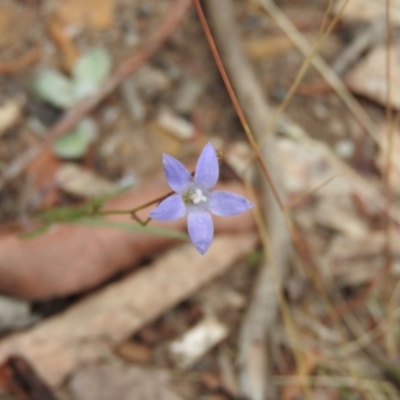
194	197
198	196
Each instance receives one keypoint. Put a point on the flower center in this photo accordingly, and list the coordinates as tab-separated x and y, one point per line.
198	196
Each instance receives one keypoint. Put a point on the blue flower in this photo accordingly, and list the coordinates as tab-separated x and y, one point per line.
193	197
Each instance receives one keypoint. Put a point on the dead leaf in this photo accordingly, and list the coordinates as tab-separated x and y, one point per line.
72	258
69	52
368	78
265	47
134	352
89	330
22	62
96	14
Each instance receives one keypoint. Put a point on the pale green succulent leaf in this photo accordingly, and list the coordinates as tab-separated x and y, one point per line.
54	88
90	71
74	145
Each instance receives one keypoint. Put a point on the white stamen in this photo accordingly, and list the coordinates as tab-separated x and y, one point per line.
198	196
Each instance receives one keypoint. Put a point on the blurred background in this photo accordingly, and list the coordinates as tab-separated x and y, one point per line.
296	299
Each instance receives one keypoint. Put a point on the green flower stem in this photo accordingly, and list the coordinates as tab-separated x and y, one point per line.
133	211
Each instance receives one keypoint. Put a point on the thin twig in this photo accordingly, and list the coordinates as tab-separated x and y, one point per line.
236	105
391	340
69	120
262	312
19	64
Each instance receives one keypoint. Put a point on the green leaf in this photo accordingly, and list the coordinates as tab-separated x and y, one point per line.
132	227
36	232
103	223
90	71
54	87
64	214
75	144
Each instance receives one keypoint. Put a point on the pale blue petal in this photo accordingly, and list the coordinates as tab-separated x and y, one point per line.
226	204
169	209
207	168
201	230
178	177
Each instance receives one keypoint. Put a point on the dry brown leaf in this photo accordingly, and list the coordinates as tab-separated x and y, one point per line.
97	14
134	352
264	47
90	329
368	78
69	52
72	258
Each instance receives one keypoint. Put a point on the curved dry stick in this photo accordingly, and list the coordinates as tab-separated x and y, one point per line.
69	120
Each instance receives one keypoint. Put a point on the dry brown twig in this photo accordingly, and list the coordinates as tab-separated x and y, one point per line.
114	313
254	377
68	121
24	61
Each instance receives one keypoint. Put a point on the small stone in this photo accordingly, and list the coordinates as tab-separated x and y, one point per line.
345	148
196	342
14	314
10	113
